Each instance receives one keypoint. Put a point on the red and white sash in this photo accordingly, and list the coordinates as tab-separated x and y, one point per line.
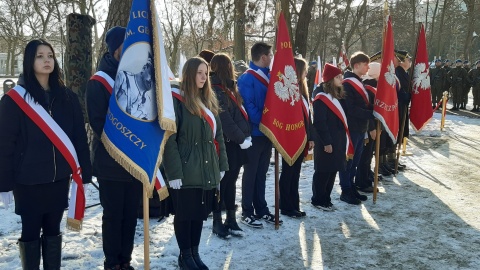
357	85
334	105
372	89
104	79
207	115
260	76
232	97
61	141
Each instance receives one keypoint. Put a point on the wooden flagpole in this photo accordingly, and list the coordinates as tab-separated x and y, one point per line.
278	9
404	116
146	235
377	158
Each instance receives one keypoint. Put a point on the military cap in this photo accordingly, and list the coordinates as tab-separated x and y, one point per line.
438	60
478	62
446	61
458	61
402	55
466	62
376	56
313	63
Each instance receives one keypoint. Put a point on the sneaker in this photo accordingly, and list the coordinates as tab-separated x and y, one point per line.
252	222
332	206
269	218
326	208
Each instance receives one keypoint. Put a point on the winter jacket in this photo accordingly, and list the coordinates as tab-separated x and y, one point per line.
330	131
234	125
190	154
358	113
96	101
253	93
27	156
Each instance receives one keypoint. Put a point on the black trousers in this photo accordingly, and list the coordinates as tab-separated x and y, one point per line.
228	187
188	233
362	177
322	186
255	176
288	184
120	201
33	224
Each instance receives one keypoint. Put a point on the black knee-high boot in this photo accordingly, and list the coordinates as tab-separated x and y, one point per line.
30	254
198	261
52	252
186	261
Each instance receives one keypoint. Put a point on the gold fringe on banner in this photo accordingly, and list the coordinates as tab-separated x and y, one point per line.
163	193
279	147
74	225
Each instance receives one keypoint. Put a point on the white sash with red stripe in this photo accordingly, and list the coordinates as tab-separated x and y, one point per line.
104	79
232	97
372	89
206	113
260	76
334	105
357	85
61	141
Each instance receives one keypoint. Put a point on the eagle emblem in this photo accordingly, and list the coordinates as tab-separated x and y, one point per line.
421	78
287	86
390	76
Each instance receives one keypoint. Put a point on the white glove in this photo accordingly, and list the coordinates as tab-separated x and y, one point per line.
246	144
249	138
175	184
6	198
222	174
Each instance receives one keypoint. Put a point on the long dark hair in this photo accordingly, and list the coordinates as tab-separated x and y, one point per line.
300	67
222	65
31	83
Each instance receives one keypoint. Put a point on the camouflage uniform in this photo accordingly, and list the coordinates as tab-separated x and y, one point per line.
447	69
457	78
474	76
437	81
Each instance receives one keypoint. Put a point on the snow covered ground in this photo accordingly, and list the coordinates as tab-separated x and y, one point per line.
425	218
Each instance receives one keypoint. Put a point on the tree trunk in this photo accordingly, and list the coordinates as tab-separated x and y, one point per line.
285	6
432	28
239	30
211	10
78	66
441	41
470	26
301	32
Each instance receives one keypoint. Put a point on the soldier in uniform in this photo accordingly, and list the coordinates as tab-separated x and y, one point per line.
457	78
437	81
447	68
474	76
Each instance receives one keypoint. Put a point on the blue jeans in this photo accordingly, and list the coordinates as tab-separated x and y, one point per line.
346	177
255	176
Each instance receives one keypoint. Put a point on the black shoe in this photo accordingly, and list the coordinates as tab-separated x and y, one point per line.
291	213
269	218
197	259
383	171
231	224
348	197
367	189
358	195
186	261
388	166
252	222
302	213
219	229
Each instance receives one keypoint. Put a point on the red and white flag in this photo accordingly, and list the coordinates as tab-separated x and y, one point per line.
343	58
386	103
421	110
283	118
318	74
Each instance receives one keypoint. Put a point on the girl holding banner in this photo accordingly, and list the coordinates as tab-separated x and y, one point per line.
44	144
194	159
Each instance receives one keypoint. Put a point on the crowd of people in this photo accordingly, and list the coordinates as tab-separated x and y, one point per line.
218	113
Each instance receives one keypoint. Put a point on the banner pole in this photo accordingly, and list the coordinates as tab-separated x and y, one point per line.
146	236
277	192
444	108
377	158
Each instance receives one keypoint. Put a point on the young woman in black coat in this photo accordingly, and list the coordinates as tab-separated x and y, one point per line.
290	177
31	165
236	131
330	144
